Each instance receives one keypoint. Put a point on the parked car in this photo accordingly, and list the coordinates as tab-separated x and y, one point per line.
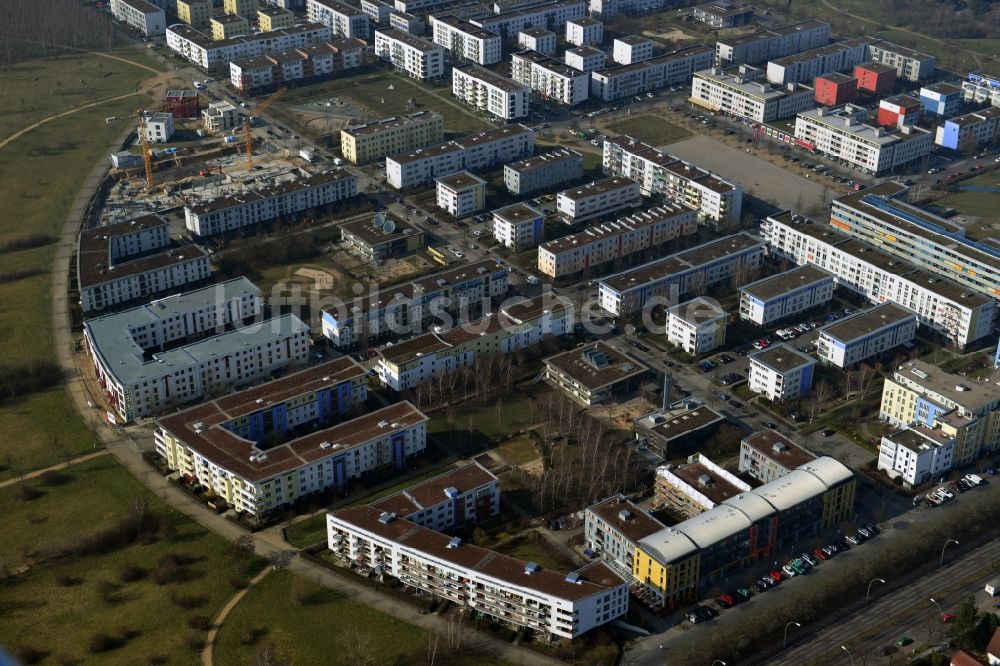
775	576
903	641
743	594
727	600
736	403
722	396
769	424
821	554
806	557
947	617
829	432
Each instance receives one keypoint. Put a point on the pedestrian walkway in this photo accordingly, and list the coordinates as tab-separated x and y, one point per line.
206	653
63	465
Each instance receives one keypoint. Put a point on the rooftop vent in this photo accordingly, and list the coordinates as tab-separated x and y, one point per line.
451	492
385	517
325	445
705	480
625	515
574	577
455	542
531	567
779	447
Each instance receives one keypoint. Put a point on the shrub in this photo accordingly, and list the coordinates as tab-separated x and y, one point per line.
29	655
199	622
106	590
54	477
100	642
188	601
27	493
249	634
238	582
167	571
156	659
68	581
195	642
131	573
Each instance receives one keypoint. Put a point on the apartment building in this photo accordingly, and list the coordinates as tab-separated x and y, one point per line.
461	194
631	49
608	9
835	89
465	41
865	334
214	56
182	103
879	216
676	431
781	373
767	455
417	57
221	117
407	22
468	495
242	7
916	454
910	65
584	31
843	133
691	488
159	127
968	411
741	92
783	296
585	58
378	11
414	307
759	47
597	199
723	14
613	529
966	133
229	26
960	315
274	18
543	172
520	594
550	15
311	63
676	564
805	66
875	78
659	174
376	140
616	243
140	15
518	226
943	100
180	348
980	88
538	40
475	152
594	373
664	281
612	84
550	79
124	262
898	111
697	326
252	206
196	13
344	20
404	365
383	237
486	91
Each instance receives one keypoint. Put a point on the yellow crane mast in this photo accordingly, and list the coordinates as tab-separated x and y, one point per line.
248	125
147	154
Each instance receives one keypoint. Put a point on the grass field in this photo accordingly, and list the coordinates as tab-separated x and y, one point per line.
979	204
650	129
57	608
532	547
518	450
479	425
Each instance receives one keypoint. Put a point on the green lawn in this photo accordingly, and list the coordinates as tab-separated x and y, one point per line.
649	128
57	607
518	450
476	425
979	204
532	547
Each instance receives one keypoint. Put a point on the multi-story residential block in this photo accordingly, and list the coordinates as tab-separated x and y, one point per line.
274	18
785	295
196	13
407	22
518	226
140	15
383	237
584	31
143	371
597	199
405	365
413	307
615	244
182	103
221	117
123	262
909	64
759	47
461	194
724	14
214	56
543	172
551	79
344	20
468	495
539	40
500	97
980	88
664	281
916	454
228	26
631	49
677	430
476	152
608	9
613	529
465	41
966	133
865	334
742	92
305	64
897	111
835	89
697	326
242	7
674	68
659	174
378	11
767	455
920	394
942	100
520	594
252	206
549	15
695	487
418	58
959	314
159	127
781	373
806	66
389	136
843	133
875	78
674	565
585	58
594	373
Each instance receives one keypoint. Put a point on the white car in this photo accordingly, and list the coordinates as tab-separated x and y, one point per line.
477	232
945	493
789	571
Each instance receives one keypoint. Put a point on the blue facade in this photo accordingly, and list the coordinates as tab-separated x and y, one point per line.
340	471
943	105
996	359
925	411
324	406
949	135
805	382
343	400
397	447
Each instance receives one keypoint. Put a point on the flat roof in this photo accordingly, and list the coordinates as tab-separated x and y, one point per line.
775	446
496	134
517	213
782	358
597	232
917	438
625	517
902	50
762	35
760	89
902	99
225	19
866	322
274	11
718	489
260	193
340	7
466	27
576	365
142	6
833	119
373	236
462	180
389	124
698	311
674	423
537	161
820	51
434	491
182	93
537	32
554	66
725	8
876	67
584	21
632	40
585	51
837	77
412	41
784	283
943	88
492	78
599	187
958	389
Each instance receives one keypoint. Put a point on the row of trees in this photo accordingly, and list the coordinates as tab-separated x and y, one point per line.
42	28
20	379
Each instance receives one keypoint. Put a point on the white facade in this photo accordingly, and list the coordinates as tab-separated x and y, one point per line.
910	65
630	50
221	117
916	454
743	93
518	227
159	127
343	19
585	58
675	68
551	79
417	57
543	172
461	194
778	297
980	88
759	47
550	15
780	373
251	74
584	32
697	326
539	40
141	15
598	198
215	55
864	334
465	41
498	96
806	66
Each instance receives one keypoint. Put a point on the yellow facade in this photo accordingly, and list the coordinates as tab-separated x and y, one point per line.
898	402
241	7
360	147
675	582
196	13
226	27
838	504
274	18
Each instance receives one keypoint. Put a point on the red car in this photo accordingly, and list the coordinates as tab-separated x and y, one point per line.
947	617
820	554
775	576
727	601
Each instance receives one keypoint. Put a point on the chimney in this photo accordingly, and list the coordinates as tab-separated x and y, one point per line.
666	392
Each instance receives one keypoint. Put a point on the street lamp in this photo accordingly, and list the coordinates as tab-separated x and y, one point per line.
934	601
945	546
784	641
873	580
718	661
844	648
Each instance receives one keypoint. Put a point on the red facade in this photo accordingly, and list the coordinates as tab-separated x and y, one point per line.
835	90
875	78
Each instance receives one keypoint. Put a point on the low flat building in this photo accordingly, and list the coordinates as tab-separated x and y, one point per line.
781	373
518	226
597	199
551	80
835	89
543	172
585	58
968	132
723	14
502	98
461	194
465	496
785	295
594	373
697	326
312	63
386	236
742	92
228	26
378	139
875	78
695	487
145	17
942	100
865	334
631	49
677	431
767	455
416	57
613	529
916	454
584	31
221	117
538	40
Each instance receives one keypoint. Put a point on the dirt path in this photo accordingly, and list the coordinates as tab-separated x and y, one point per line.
206	653
21	132
63	465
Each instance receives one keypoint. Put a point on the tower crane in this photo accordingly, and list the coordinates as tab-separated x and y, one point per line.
147	154
248	125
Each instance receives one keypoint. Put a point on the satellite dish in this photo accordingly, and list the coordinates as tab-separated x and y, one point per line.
388	227
379	220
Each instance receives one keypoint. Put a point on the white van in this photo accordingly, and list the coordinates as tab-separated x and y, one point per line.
993	587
